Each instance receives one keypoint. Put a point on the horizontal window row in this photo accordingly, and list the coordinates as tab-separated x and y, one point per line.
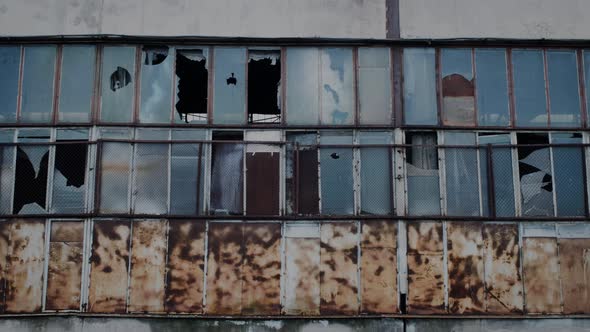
182	172
298	86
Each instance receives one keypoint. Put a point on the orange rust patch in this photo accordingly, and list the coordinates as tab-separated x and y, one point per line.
4	241
302	276
541	276
574	257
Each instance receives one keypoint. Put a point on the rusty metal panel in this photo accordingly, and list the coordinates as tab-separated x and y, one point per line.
339	268
262	183
379	267
24	276
465	264
5	227
186	257
425	268
64	277
503	282
541	276
302	276
224	269
148	266
261	272
109	267
574	257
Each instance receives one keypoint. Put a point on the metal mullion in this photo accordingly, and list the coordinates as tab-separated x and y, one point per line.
96	89
355	85
56	84
582	88
439	93
510	76
516	176
356	172
172	50
211	85
554	193
474	77
50	172
546	78
283	63
19	99
442	181
137	88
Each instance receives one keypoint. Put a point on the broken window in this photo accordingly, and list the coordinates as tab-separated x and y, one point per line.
568	165
500	160
376	170
529	88
422	174
264	86
115	167
186	184
30	184
262	173
337	86
7	154
69	175
192	77
336	174
374	85
37	89
302	173
492	87
564	94
303	86
420	106
457	87
461	175
77	83
230	85
536	181
156	85
150	168
9	67
117	88
227	181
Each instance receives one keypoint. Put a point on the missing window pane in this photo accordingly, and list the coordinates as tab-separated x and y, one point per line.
30	185
264	87
191	81
536	180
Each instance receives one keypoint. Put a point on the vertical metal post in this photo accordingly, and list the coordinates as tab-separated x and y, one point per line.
199	167
490	178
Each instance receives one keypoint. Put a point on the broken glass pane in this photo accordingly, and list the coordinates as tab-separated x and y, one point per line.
420	107
422	174
562	72
114	186
117	88
337	83
492	87
336	173
536	181
30	185
502	173
150	187
461	175
227	180
529	88
9	69
230	85
302	191
457	87
303	86
264	86
37	90
184	164
156	85
77	83
569	172
192	80
6	171
376	170
69	176
374	85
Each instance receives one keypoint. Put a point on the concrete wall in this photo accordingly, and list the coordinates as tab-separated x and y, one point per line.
252	18
526	19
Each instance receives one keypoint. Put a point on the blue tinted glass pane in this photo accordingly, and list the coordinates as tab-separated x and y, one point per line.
568	167
563	88
419	87
118	86
337	83
376	170
422	174
529	88
492	87
77	83
457	87
303	86
184	170
230	86
461	175
336	174
374	86
156	85
37	90
502	172
9	68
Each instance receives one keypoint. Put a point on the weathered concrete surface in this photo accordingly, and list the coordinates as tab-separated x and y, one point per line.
476	325
254	18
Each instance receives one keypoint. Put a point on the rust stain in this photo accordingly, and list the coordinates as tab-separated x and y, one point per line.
503	282
425	268
338	268
261	272
465	264
224	269
262	183
574	257
24	276
65	265
148	266
109	267
302	276
186	257
5	227
541	276
379	267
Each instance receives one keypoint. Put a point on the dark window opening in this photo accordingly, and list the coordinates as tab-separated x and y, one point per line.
30	185
155	55
192	74
120	78
227	179
536	181
302	176
69	178
264	87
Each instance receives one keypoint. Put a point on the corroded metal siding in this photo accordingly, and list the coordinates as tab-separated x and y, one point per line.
64	279
109	267
574	255
186	270
541	276
148	266
425	268
4	242
302	276
379	267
